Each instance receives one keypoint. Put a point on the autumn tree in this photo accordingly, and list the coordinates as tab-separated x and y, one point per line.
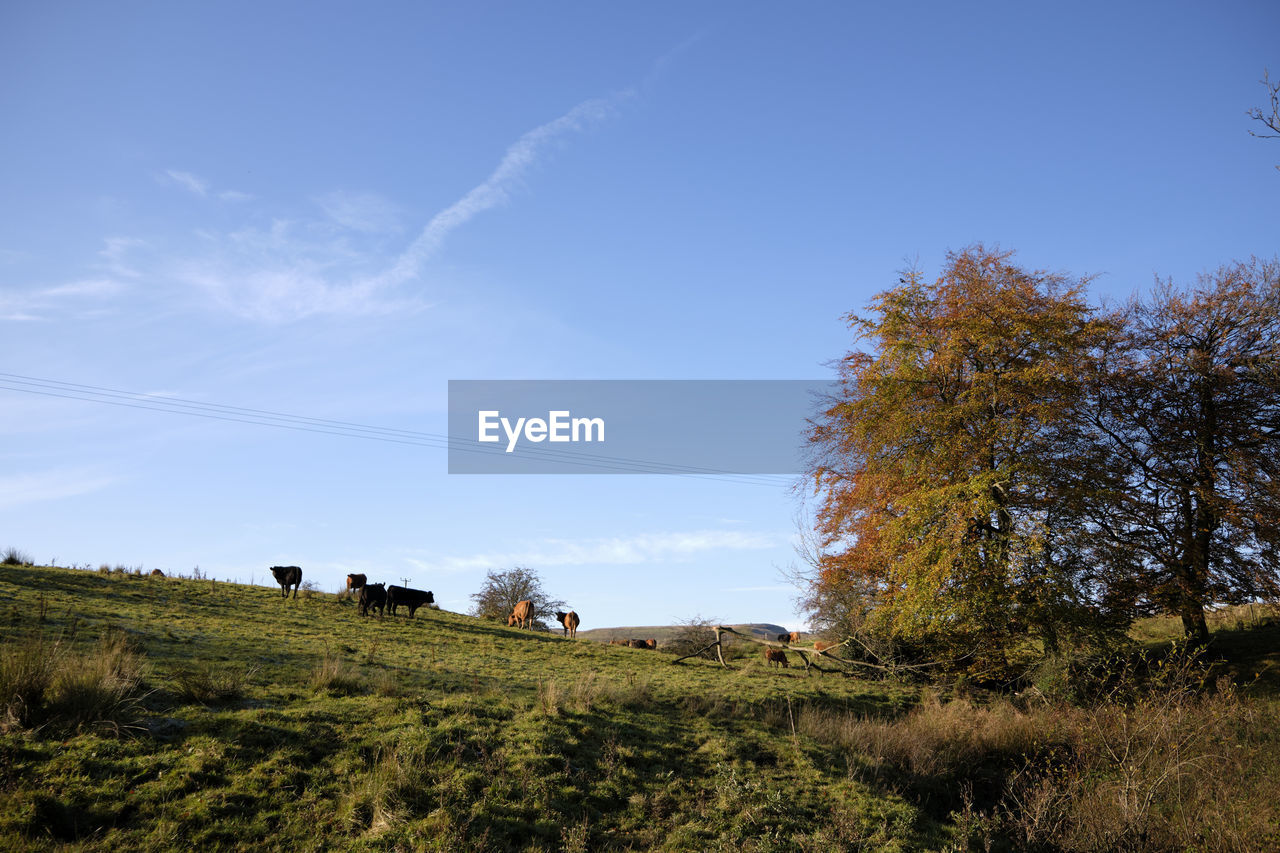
933	518
1182	446
503	588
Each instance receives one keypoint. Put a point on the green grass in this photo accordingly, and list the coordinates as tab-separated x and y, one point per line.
299	722
241	720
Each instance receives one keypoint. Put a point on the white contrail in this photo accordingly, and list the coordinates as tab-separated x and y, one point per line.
493	191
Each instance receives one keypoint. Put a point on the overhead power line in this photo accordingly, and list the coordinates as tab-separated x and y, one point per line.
348	429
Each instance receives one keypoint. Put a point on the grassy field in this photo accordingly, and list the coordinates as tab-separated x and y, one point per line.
194	714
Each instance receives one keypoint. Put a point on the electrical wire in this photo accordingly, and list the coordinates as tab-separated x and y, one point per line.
347	429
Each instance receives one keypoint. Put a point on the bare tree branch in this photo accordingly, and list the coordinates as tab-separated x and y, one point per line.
1271	122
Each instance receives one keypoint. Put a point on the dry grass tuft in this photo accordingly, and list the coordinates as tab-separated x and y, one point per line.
334	675
46	683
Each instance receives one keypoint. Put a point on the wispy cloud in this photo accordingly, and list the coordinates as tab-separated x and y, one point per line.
344	260
365	212
188	182
42	303
19	489
198	186
494	190
337	266
646	548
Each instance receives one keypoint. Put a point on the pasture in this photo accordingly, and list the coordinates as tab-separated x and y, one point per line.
257	722
319	729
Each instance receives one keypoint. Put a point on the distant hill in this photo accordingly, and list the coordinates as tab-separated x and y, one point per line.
665	632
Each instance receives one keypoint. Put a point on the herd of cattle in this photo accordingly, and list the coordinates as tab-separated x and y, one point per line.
384	598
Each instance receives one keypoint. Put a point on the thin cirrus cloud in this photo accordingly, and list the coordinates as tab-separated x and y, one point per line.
43	302
336	266
198	186
20	489
188	182
673	547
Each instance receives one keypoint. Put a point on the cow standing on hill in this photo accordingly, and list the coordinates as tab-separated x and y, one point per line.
287	576
521	614
775	656
373	595
570	622
398	596
355	582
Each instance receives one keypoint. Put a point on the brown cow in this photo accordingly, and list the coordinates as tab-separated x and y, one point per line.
793	637
821	646
643	644
651	643
570	621
522	614
778	656
617	641
354	582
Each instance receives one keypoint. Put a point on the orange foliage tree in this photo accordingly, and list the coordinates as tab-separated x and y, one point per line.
935	519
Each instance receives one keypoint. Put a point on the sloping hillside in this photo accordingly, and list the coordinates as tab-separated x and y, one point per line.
663	633
297	724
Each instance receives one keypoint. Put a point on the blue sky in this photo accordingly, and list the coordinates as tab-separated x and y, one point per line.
331	209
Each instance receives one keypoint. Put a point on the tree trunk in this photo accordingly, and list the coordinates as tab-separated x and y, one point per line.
1194	625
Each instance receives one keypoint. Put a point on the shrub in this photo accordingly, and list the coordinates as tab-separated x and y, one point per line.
693	636
14	557
502	590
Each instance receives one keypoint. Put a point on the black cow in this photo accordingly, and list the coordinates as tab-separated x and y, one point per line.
373	595
410	598
287	576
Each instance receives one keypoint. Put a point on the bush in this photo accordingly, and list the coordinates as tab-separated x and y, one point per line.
14	557
502	590
693	636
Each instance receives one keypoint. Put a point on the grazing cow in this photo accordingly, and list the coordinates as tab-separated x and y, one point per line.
410	598
156	573
354	582
522	614
783	638
778	656
793	637
287	576
570	622
617	641
643	644
821	646
373	595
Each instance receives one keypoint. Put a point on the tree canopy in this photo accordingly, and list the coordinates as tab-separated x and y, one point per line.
1003	461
